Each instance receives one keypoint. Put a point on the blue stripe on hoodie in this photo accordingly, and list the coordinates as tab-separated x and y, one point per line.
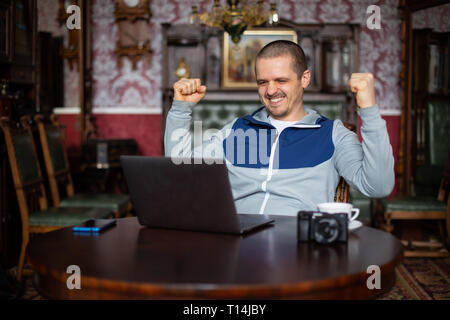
298	147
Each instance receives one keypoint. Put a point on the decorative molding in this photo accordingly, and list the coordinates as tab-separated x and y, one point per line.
126	110
391	112
111	110
73	110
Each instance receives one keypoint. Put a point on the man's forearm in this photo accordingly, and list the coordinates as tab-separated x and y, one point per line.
368	166
379	160
377	150
177	136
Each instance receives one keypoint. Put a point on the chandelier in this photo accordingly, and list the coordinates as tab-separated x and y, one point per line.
237	16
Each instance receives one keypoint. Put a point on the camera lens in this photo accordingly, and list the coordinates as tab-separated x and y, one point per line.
326	230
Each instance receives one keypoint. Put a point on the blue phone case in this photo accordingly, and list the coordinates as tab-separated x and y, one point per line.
94	226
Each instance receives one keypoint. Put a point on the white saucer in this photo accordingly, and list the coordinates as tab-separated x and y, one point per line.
355	224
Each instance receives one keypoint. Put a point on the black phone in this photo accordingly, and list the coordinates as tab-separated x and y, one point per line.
95	225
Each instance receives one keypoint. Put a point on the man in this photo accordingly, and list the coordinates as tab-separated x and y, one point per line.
307	153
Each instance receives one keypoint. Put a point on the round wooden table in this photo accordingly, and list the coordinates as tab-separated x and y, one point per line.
133	262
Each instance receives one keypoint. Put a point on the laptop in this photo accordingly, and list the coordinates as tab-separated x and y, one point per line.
194	197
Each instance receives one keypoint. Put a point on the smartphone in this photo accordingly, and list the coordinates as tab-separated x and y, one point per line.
95	225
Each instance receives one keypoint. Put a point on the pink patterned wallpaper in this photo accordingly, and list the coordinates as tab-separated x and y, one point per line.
124	88
437	18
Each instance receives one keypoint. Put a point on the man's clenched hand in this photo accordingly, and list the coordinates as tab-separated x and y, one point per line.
190	90
362	85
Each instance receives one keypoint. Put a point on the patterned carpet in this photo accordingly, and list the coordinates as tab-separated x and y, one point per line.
417	279
421	279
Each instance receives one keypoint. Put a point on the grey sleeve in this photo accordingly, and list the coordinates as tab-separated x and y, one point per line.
178	137
366	166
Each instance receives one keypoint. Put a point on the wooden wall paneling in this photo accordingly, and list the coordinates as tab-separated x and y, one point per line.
402	167
86	120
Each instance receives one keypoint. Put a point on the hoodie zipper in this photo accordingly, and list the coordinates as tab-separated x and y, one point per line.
269	173
270	170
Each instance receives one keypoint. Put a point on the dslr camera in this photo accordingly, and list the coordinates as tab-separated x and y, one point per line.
322	227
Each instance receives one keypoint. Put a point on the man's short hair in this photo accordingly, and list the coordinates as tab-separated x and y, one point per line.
280	48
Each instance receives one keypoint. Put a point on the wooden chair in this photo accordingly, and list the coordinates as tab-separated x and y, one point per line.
342	191
424	208
36	216
54	151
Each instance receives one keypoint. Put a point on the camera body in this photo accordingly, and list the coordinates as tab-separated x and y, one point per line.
322	227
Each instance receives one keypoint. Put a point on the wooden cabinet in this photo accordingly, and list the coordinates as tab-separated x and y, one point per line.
332	53
18	53
414	77
5	22
430	82
331	50
430	101
188	43
431	62
18	23
18	40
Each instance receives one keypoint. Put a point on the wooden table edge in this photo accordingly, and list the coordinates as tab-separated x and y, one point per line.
113	289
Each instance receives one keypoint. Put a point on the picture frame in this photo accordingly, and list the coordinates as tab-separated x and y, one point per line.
239	59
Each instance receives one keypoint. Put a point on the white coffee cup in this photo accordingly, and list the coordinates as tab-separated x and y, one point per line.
339	207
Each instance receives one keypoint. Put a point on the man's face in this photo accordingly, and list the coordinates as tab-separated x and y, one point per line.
279	88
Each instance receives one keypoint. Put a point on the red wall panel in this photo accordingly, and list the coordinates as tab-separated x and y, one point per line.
144	128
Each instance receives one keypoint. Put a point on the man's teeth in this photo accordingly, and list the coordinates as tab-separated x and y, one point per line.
276	100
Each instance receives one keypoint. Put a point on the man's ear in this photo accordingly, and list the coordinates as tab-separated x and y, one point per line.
306	79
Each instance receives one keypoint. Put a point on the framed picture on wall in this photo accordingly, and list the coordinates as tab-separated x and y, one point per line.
239	59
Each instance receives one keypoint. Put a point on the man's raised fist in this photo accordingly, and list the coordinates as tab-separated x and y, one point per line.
190	90
362	85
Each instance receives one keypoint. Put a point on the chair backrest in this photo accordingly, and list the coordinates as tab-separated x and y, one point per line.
342	191
52	138
25	169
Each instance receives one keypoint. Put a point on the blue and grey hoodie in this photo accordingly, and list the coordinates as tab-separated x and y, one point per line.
281	173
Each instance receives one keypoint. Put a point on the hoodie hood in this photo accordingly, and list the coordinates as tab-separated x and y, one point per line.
261	117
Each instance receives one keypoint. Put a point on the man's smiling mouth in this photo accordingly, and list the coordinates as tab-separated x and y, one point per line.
276	100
